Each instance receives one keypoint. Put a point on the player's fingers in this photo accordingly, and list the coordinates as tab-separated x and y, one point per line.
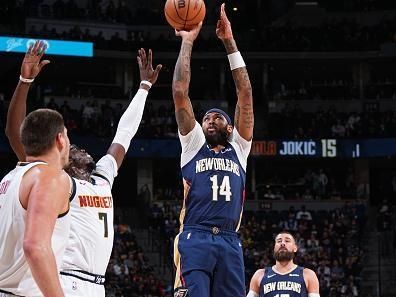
35	47
157	69
29	51
150	58
43	63
144	57
41	50
139	60
197	28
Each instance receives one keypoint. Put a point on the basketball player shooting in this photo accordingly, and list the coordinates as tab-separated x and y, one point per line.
208	253
91	233
285	278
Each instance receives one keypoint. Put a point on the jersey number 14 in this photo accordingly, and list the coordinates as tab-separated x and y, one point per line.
225	188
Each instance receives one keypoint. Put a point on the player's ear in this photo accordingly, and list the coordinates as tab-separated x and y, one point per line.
229	128
61	140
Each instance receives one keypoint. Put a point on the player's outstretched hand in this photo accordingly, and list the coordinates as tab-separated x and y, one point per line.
32	64
223	28
189	35
146	66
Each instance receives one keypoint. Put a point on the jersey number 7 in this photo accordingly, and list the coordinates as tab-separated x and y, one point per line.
103	216
225	188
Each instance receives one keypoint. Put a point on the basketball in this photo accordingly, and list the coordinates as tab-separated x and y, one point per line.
184	14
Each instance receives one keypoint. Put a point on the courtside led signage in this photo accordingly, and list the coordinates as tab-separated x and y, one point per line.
54	47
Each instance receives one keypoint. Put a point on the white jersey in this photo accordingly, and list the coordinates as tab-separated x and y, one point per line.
92	212
15	274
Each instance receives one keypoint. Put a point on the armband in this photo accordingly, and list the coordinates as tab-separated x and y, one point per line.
147	83
236	60
26	80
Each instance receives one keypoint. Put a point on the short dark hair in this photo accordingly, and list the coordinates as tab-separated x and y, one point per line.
286	232
39	130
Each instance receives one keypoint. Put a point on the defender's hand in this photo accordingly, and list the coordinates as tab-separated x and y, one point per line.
223	28
191	35
31	65
146	66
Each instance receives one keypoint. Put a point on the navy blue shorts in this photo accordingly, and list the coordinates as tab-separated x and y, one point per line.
209	262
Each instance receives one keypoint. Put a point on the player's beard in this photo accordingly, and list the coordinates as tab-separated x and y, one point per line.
283	255
218	138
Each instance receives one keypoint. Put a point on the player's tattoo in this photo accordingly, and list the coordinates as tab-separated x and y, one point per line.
181	80
244	118
185	121
182	68
230	46
241	79
244	115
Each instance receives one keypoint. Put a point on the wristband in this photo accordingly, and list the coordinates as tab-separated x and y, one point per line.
252	294
236	60
26	80
147	83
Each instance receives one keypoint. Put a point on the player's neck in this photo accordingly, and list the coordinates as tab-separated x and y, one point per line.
51	159
284	267
216	148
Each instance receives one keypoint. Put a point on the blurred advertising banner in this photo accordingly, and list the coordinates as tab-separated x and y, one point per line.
54	47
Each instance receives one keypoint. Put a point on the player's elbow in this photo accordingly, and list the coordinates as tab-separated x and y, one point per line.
7	132
33	250
179	94
179	88
11	134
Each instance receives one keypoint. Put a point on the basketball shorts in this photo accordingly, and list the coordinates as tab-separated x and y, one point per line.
76	286
209	263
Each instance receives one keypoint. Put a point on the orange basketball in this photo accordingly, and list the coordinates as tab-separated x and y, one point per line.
184	14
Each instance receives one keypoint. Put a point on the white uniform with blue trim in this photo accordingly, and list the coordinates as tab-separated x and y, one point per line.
91	237
15	274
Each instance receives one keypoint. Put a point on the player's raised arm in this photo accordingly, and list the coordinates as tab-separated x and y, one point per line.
30	68
244	119
181	81
130	120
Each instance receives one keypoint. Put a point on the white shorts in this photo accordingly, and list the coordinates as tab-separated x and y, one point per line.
74	287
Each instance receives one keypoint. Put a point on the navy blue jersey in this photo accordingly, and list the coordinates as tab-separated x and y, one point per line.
214	181
291	284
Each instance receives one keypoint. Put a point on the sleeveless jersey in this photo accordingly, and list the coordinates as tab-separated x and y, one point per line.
214	183
91	232
291	284
15	274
